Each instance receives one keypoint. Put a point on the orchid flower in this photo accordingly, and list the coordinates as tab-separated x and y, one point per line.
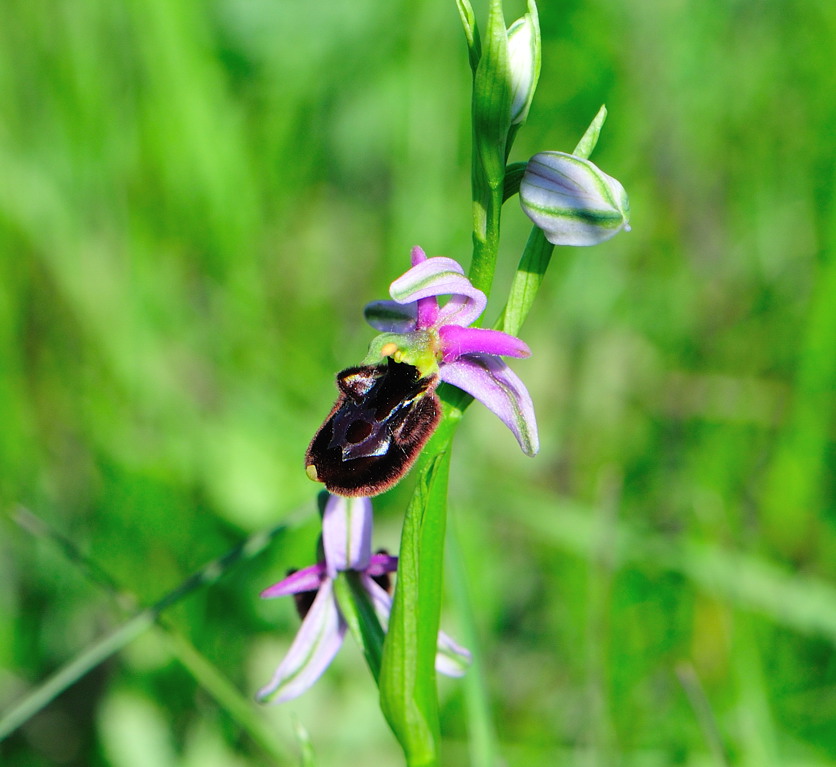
439	340
346	541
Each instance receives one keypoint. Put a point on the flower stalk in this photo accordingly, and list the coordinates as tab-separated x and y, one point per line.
492	100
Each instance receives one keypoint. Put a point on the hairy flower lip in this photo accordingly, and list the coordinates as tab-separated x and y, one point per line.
384	415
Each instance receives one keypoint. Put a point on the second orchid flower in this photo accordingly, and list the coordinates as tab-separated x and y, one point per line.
347	546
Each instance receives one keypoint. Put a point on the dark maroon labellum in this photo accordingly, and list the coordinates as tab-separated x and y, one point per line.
383	417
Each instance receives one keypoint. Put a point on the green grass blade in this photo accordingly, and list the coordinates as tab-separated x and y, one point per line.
116	640
690	682
71	672
803	603
237	706
483	743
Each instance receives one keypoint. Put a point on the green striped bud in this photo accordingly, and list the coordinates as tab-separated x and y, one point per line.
523	63
572	200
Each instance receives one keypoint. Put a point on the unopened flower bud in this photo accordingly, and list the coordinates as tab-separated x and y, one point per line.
523	64
572	200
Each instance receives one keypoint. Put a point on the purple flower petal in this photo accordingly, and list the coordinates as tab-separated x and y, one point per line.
452	659
381	564
392	317
347	533
427	307
308	579
456	341
427	312
463	308
496	386
441	277
316	643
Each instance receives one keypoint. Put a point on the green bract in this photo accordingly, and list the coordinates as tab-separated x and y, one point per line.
492	99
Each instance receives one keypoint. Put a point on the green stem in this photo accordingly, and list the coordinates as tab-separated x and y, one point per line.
408	695
491	123
487	210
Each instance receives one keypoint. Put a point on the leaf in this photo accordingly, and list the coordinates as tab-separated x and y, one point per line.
513	175
471	32
408	695
527	280
590	137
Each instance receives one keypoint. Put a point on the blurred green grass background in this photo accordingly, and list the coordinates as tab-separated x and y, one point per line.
196	200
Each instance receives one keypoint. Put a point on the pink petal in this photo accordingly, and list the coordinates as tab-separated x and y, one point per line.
308	579
347	533
496	386
381	564
417	255
456	341
317	642
441	277
464	308
427	312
